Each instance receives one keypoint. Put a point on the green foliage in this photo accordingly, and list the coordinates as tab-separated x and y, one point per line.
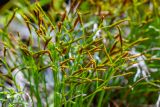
97	53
